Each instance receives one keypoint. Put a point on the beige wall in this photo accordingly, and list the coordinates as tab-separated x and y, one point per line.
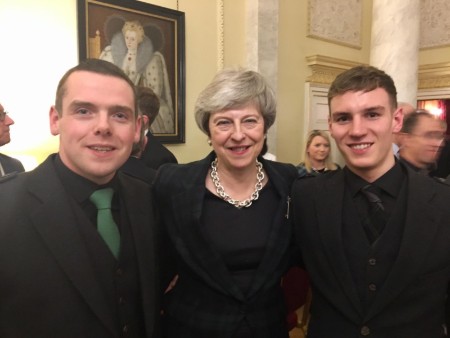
39	40
294	47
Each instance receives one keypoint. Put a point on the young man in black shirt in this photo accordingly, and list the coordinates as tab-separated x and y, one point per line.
374	236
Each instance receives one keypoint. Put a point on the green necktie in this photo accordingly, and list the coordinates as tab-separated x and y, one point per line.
105	222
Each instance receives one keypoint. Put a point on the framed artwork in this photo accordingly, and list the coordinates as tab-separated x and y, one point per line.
334	21
148	43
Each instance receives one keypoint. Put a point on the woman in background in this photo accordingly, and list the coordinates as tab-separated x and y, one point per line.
317	155
225	219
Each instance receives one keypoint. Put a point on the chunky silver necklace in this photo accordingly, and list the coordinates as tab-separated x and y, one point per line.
221	191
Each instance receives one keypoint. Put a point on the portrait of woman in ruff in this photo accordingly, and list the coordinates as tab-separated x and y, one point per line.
148	43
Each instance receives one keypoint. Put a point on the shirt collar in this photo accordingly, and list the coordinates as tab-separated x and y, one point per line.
390	182
77	186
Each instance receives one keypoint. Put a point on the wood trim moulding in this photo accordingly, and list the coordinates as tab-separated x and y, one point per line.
326	68
436	75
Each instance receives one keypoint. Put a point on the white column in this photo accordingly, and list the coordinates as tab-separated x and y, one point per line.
395	44
262	47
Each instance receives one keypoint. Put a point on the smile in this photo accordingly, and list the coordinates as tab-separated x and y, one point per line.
360	146
101	149
243	148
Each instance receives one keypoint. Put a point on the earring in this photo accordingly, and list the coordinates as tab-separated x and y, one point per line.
209	142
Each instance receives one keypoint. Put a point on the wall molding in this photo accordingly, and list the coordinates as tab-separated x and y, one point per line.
436	75
326	68
220	34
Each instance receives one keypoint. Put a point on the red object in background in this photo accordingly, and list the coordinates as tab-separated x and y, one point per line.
295	287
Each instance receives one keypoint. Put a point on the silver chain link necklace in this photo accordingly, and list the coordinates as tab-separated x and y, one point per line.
221	191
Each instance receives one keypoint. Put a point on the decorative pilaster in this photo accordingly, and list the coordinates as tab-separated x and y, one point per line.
262	47
395	44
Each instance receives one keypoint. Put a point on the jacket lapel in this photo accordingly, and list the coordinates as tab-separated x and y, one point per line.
280	234
194	247
329	201
416	240
56	222
142	228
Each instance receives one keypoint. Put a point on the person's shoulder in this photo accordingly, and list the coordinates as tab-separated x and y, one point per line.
7	178
442	184
281	166
279	171
9	158
131	179
301	170
172	176
12	185
311	181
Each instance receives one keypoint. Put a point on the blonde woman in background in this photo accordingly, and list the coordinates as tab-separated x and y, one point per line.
317	155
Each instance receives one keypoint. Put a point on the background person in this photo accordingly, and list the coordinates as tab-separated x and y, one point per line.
154	153
8	164
373	236
66	270
422	139
406	110
317	155
226	219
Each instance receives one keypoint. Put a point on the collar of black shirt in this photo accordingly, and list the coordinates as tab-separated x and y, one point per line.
78	187
390	182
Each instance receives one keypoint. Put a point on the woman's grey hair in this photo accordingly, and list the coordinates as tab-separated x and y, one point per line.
235	89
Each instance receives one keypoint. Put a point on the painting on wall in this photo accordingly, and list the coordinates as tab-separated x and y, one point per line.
434	24
148	43
336	21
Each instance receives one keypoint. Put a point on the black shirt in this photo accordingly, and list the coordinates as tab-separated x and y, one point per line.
389	184
80	189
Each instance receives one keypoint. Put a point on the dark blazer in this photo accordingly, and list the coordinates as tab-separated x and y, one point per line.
206	297
48	286
411	303
137	168
155	154
443	163
11	164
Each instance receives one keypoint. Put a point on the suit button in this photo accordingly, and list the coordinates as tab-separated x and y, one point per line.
372	287
119	272
372	261
365	331
121	301
125	329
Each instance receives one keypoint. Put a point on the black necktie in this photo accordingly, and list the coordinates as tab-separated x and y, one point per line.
376	220
105	221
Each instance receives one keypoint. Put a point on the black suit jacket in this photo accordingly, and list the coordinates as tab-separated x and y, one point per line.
10	164
48	287
137	168
155	154
411	303
206	296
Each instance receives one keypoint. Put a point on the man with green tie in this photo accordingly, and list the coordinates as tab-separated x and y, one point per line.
77	240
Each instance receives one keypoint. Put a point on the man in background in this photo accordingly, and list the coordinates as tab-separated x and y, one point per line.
406	109
8	164
135	166
77	248
154	153
422	139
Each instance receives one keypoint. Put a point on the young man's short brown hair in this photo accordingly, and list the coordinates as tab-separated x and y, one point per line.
363	78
